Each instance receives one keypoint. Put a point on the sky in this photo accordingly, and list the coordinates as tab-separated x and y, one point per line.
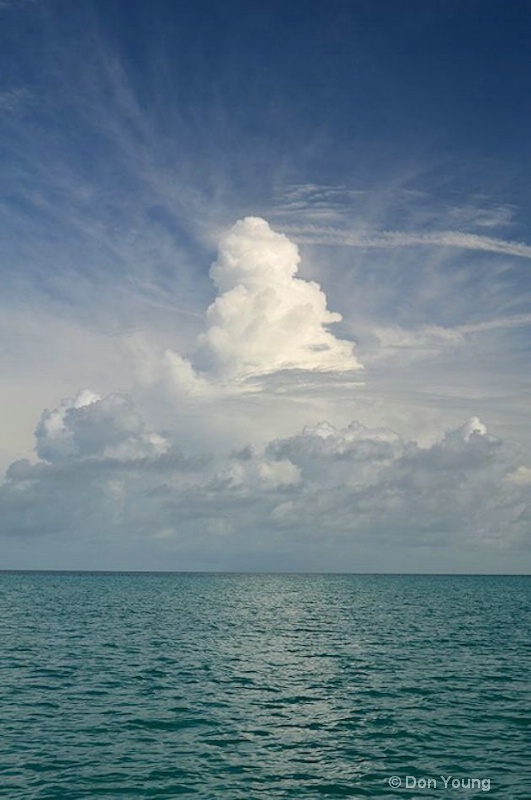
265	285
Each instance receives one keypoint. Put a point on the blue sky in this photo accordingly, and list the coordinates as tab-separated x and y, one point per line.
357	173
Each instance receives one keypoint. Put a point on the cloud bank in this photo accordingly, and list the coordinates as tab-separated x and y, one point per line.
328	498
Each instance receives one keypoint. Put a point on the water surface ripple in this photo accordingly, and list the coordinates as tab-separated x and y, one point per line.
262	686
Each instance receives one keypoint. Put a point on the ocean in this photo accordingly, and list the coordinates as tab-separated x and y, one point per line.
140	685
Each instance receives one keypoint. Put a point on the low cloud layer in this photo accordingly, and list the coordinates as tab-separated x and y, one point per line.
325	498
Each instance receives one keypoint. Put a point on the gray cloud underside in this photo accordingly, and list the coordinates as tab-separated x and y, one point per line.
326	494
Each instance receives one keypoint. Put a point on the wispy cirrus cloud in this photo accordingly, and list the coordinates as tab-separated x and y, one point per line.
322	235
433	336
414	199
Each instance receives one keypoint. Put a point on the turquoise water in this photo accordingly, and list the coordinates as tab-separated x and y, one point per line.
264	686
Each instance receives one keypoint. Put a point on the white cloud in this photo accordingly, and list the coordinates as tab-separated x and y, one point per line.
265	319
474	427
265	363
182	376
246	473
89	426
275	474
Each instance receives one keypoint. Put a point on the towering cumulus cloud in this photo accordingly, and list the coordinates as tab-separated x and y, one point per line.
265	319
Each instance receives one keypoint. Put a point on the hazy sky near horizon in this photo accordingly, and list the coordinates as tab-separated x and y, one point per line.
266	285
